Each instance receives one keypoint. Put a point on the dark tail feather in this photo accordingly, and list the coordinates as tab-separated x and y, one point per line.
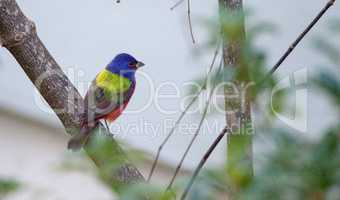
79	140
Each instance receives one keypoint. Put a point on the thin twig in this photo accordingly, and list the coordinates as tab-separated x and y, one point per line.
171	133
190	23
197	130
301	36
177	4
204	160
184	113
189	17
276	66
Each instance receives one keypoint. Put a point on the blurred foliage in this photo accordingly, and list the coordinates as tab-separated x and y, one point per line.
328	49
7	186
79	161
75	162
329	83
298	167
138	191
334	26
252	71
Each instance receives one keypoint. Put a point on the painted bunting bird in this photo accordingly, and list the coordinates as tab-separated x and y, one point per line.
107	96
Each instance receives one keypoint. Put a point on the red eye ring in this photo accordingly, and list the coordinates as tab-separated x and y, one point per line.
133	64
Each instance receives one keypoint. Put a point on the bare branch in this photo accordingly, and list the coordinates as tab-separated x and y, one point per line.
226	130
171	132
177	4
197	130
189	17
204	160
19	36
190	23
301	36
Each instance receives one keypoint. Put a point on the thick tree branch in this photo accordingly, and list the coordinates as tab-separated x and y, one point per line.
18	35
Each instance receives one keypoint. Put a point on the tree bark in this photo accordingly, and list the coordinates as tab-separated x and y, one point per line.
18	35
237	104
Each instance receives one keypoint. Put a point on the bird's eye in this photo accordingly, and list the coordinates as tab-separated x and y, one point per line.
133	64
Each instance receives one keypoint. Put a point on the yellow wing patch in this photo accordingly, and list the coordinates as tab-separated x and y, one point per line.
112	83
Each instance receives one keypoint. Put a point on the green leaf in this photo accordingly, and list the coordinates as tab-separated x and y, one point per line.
8	186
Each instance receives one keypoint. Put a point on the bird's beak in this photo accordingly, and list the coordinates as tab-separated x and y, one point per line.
140	64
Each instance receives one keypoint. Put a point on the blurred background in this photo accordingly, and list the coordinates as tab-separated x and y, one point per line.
83	36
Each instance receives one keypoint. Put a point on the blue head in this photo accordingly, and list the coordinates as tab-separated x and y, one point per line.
124	65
